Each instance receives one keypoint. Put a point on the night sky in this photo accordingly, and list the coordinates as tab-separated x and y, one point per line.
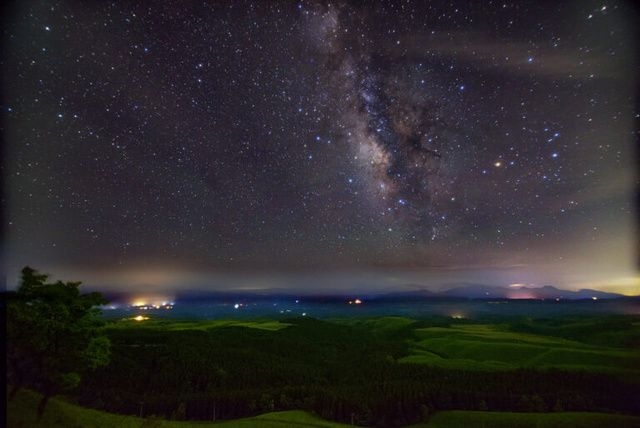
321	146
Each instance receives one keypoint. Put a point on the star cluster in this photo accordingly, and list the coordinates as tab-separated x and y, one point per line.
311	135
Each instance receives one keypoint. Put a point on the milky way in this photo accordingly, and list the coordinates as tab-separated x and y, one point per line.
305	136
396	130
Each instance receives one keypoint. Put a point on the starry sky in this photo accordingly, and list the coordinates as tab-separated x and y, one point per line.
321	145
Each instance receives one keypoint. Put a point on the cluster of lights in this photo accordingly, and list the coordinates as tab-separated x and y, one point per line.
140	318
149	306
355	302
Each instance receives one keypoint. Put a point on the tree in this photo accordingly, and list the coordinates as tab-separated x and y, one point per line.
53	335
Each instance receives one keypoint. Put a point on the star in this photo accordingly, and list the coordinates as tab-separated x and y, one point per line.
254	138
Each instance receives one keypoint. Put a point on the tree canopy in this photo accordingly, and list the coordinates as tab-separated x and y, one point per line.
53	335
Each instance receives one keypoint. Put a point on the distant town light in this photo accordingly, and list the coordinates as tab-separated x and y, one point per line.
146	304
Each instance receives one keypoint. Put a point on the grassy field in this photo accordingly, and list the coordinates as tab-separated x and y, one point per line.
60	414
380	324
491	347
21	414
455	419
172	325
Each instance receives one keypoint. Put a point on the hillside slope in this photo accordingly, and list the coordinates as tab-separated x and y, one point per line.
60	414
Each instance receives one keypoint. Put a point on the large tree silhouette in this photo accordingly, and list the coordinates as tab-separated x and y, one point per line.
53	335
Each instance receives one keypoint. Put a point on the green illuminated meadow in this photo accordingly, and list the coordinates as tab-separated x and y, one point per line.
493	347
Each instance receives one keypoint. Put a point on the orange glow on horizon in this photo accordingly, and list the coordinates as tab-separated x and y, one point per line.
152	301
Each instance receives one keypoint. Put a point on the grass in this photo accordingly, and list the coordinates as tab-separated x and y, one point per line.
293	418
172	325
21	413
489	347
380	324
466	419
61	414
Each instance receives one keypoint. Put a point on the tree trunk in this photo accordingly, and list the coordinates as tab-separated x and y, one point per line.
42	405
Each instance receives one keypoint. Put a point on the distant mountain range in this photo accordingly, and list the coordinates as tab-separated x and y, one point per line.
479	291
465	291
415	292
